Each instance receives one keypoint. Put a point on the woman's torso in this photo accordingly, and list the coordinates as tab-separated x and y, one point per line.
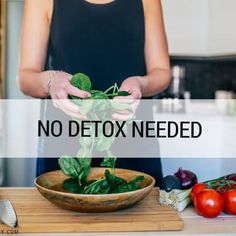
104	41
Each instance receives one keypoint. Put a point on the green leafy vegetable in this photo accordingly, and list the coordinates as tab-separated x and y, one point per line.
104	143
135	182
109	161
81	81
78	168
84	159
121	106
71	185
100	186
123	93
85	105
107	185
85	142
69	166
99	95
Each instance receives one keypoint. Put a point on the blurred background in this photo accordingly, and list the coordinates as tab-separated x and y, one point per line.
202	44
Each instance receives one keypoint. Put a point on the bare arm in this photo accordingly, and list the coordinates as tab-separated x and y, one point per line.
156	50
34	41
156	55
33	80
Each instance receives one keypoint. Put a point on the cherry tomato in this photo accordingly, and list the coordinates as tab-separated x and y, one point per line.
230	201
196	189
209	203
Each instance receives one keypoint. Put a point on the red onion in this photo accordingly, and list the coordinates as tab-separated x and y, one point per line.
232	177
188	178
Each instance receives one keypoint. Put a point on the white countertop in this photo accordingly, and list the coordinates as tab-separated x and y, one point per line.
218	131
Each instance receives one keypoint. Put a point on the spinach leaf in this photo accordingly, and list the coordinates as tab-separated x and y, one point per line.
137	180
93	91
104	143
85	142
109	161
113	180
123	93
71	185
127	187
79	167
85	105
81	81
84	159
122	188
98	95
69	166
100	186
121	106
110	177
85	163
83	175
84	154
101	106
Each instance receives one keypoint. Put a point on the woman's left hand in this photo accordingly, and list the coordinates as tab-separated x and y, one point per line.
133	86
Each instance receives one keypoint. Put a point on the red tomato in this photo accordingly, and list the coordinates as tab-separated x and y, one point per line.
209	203
230	201
196	189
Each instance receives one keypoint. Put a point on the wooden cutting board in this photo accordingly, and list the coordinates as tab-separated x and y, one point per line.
36	214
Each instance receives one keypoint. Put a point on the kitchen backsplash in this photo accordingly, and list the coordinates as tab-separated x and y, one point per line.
206	75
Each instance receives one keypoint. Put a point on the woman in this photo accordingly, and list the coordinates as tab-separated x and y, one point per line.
110	40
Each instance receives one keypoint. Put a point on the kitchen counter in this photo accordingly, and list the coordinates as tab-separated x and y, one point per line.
193	224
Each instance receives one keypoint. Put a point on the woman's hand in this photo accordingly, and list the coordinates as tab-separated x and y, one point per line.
59	90
133	86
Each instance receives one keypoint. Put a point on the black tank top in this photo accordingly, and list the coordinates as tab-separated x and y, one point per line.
104	41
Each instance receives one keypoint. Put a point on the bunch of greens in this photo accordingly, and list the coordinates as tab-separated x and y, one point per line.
96	106
83	82
78	168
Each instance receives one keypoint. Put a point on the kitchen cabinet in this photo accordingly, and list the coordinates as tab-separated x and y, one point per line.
200	28
222	32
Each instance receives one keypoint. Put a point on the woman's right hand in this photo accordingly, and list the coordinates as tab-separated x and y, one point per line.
60	88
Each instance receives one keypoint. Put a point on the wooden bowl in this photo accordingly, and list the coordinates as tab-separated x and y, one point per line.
50	186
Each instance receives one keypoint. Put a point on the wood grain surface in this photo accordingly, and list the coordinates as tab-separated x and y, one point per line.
37	215
50	186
